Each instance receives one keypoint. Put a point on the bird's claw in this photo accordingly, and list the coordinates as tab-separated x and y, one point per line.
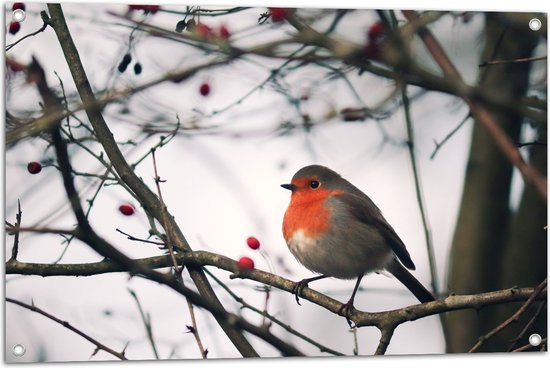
346	311
297	289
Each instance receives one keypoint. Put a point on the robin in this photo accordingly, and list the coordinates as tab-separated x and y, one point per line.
336	230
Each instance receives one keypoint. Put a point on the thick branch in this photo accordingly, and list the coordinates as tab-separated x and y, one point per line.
203	258
148	198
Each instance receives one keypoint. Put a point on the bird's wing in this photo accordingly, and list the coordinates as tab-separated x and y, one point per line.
364	209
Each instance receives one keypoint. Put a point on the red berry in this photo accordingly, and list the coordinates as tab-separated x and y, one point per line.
34	167
202	30
278	14
14	27
146	8
224	32
252	242
18	6
245	263
375	31
375	39
126	209
151	8
204	89
14	65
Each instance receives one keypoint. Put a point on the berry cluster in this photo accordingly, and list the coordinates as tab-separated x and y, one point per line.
15	26
126	60
247	263
146	8
202	29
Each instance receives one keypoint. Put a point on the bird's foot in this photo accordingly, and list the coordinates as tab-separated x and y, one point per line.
346	310
298	287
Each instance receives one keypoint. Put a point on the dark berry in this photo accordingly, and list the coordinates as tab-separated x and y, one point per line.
14	27
204	89
180	26
124	63
191	23
18	6
34	167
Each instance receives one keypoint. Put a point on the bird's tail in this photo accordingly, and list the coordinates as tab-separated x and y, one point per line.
407	279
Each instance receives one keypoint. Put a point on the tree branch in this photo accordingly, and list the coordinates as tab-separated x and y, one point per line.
203	258
149	200
67	325
528	172
512	318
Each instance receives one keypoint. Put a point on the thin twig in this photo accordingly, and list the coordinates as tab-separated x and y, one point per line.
42	230
512	318
534	143
529	173
45	21
162	141
526	347
272	318
169	244
133	238
146	322
16	230
195	331
438	145
418	189
355	341
512	61
527	326
99	346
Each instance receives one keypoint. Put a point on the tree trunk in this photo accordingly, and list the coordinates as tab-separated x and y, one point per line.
525	256
482	227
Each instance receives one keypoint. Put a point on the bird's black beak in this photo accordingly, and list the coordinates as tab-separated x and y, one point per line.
290	187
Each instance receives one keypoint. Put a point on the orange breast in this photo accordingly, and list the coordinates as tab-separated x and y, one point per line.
307	212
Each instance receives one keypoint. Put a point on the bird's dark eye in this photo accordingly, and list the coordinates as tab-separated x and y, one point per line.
314	184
